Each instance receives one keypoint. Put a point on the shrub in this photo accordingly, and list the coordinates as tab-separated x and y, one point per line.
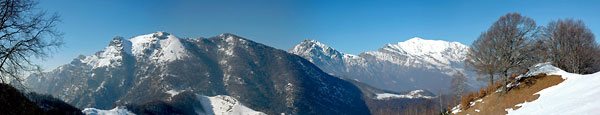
465	101
482	92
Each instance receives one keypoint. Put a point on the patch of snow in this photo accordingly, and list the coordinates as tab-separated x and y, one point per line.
479	100
539	69
477	110
173	92
456	109
107	57
225	105
576	95
410	95
120	110
101	86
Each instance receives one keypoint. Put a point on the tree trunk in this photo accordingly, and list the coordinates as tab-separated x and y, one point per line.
491	79
505	76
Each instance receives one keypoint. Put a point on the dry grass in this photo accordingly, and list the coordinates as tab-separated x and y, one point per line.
495	104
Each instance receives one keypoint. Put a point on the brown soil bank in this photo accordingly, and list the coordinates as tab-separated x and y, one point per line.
494	104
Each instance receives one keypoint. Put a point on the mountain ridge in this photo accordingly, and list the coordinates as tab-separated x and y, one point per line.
263	78
396	64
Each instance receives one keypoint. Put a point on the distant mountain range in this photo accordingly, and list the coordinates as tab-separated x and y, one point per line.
161	73
410	65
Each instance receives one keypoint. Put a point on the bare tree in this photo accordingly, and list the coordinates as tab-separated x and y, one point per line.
481	58
459	84
509	41
571	46
25	33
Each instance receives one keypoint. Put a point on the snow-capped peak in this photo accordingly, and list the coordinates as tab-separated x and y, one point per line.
308	45
315	50
112	55
419	46
159	46
436	52
226	35
315	43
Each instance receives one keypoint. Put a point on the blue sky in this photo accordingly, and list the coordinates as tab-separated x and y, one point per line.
350	26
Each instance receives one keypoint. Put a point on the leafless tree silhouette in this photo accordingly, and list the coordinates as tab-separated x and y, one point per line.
25	33
506	47
571	46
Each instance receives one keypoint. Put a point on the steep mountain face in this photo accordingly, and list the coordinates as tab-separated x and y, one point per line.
151	67
403	66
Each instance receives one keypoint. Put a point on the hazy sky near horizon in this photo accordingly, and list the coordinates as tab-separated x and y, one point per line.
350	26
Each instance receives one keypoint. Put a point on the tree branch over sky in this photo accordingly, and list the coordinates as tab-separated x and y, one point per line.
25	33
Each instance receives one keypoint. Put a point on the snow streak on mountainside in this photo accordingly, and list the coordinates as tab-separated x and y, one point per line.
121	110
216	105
577	95
410	65
158	66
410	95
226	105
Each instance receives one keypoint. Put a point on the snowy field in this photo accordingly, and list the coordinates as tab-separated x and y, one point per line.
577	95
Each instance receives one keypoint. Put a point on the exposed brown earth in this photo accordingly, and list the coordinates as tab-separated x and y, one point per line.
495	104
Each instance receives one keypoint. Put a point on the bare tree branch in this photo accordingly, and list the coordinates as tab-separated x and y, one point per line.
572	46
24	33
506	48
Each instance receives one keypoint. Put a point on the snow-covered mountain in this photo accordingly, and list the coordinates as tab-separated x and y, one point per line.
327	58
149	70
410	65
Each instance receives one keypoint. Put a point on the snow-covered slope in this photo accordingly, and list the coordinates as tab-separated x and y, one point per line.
160	46
577	95
111	55
225	105
410	95
216	105
120	110
404	66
